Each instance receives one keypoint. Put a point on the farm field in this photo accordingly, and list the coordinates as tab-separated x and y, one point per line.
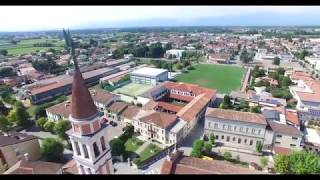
223	78
26	46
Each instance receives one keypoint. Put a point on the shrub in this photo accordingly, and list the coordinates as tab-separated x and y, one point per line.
41	122
227	155
208	147
48	126
117	147
263	161
137	161
259	146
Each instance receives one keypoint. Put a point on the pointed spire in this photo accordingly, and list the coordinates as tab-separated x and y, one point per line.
82	105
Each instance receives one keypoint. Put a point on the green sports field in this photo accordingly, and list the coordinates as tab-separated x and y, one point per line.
133	89
223	78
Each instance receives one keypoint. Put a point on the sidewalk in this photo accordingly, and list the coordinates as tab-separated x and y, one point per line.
142	147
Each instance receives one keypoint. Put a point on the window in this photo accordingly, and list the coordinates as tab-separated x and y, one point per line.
96	149
277	142
251	142
224	127
228	138
217	137
239	140
82	169
235	128
317	150
216	125
222	137
241	129
209	124
259	132
233	139
229	127
292	145
253	131
89	171
85	150
310	149
103	144
247	130
77	148
294	138
279	136
245	141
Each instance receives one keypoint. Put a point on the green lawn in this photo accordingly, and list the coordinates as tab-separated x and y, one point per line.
146	153
133	144
132	89
223	78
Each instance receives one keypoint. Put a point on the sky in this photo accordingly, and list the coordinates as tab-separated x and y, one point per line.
33	18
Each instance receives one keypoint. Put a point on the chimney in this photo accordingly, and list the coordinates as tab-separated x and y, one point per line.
26	156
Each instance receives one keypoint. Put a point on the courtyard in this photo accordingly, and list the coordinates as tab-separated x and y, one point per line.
132	89
223	78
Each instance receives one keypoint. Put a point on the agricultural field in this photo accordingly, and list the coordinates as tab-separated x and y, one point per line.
220	77
26	46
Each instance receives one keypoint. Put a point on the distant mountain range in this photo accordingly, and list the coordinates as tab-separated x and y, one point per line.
241	20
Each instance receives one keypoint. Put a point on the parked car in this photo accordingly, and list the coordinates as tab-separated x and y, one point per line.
112	123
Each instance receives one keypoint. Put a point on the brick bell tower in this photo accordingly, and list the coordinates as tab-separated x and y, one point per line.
91	150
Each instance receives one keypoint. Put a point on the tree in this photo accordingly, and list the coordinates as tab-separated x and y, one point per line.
197	148
41	122
48	126
276	61
255	109
245	57
263	162
7	72
4	124
117	147
282	164
226	102
40	111
208	146
212	138
128	131
227	155
286	81
179	66
52	149
3	52
258	146
61	127
19	115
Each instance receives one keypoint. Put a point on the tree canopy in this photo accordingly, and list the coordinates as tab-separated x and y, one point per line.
276	61
52	149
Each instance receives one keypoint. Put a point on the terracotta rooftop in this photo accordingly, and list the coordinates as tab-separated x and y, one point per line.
285	129
281	150
292	117
232	115
169	106
82	106
130	112
15	138
191	165
34	167
70	167
101	96
117	107
160	119
63	109
312	97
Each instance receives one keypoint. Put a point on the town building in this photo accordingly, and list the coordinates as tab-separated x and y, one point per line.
177	53
13	148
27	166
285	138
150	76
177	163
234	128
115	109
311	140
222	58
91	150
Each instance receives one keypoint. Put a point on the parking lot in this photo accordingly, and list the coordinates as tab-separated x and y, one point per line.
114	131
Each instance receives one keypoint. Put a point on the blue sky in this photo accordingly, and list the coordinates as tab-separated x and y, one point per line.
29	18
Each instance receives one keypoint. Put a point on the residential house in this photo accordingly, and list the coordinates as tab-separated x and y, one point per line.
13	147
115	109
222	58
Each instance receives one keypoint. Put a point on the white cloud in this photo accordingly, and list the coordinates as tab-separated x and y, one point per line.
19	18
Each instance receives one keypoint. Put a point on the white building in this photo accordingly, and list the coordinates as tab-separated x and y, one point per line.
311	140
149	76
176	52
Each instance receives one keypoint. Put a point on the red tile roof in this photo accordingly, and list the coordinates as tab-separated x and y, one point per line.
236	115
285	129
162	120
292	117
35	167
168	106
281	150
